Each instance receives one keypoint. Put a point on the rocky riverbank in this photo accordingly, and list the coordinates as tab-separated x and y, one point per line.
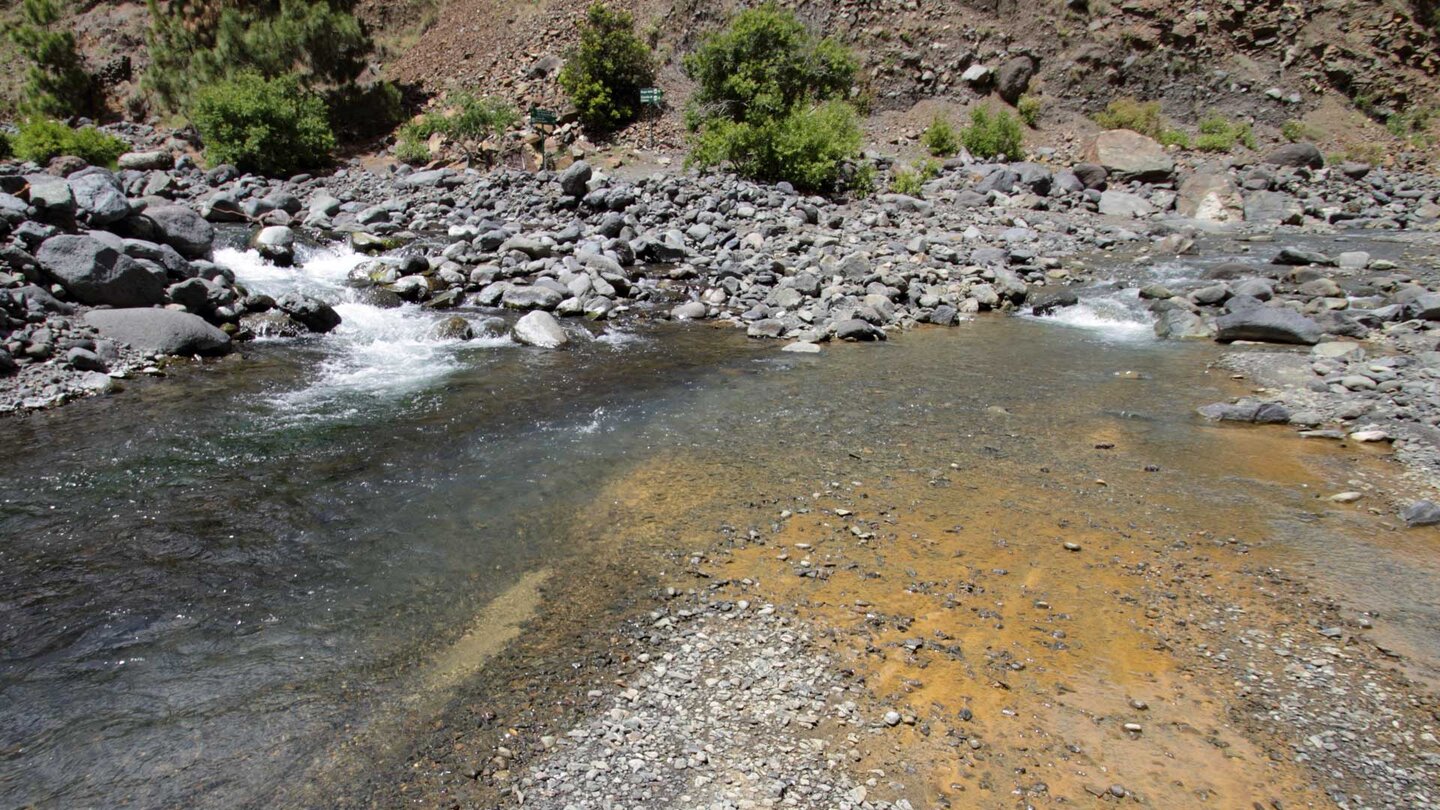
583	243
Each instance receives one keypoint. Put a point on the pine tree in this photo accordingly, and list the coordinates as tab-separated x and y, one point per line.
56	83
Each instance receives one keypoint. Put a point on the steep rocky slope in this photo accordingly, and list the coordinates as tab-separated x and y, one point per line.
1273	60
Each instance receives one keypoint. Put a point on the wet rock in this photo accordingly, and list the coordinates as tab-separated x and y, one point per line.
316	315
531	297
540	329
1268	325
272	324
1421	513
96	272
166	331
1182	324
453	328
1295	256
1246	410
855	329
689	311
276	243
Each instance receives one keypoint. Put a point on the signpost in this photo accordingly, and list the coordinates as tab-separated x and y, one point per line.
654	98
543	118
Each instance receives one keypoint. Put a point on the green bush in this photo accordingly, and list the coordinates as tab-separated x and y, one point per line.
762	67
809	147
1174	137
1293	131
197	43
1028	107
939	139
992	135
911	182
467	122
1136	116
1220	134
42	139
604	75
56	83
768	103
271	126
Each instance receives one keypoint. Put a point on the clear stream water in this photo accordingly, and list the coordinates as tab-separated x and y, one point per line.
209	582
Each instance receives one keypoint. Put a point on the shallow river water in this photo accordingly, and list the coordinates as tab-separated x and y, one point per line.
207	583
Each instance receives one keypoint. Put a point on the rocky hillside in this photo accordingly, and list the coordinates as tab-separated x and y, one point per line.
1267	59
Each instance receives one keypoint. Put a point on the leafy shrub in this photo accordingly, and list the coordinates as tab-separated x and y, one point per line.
42	139
56	83
992	135
860	179
604	75
763	66
270	126
1136	116
1174	137
809	147
1293	131
1028	108
196	43
911	182
1220	134
768	101
467	121
939	139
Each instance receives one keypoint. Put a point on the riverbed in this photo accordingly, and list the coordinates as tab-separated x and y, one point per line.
215	583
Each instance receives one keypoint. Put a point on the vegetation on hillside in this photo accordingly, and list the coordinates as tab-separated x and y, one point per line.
41	140
56	83
271	126
993	134
469	123
769	101
604	75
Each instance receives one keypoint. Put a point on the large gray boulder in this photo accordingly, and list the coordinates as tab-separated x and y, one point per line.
52	197
1210	198
574	181
1124	204
540	329
96	272
146	161
1269	325
1273	208
183	229
99	197
1013	78
1298	155
1127	155
167	331
316	315
531	297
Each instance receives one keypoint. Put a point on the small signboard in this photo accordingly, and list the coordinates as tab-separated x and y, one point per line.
545	117
653	96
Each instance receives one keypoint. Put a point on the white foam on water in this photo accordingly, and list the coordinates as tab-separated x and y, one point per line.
1118	315
375	354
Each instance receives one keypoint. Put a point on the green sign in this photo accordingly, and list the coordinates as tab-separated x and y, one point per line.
539	116
652	95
